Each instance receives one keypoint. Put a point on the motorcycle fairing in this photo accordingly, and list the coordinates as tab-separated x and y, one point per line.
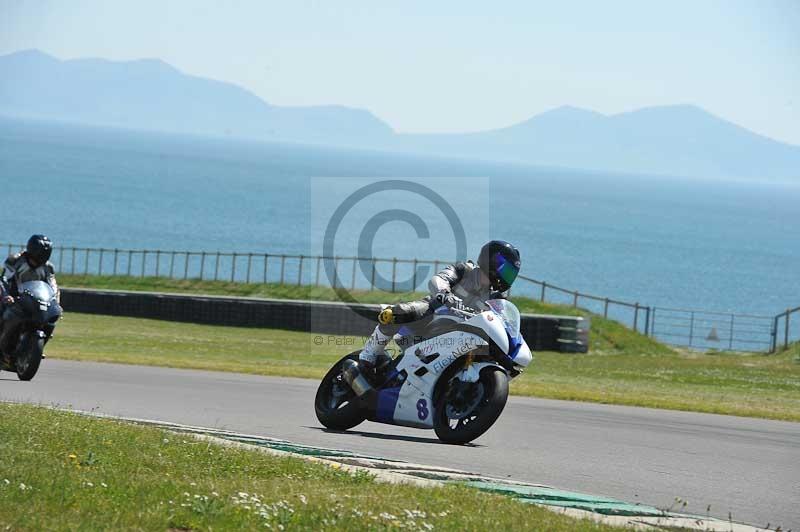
424	363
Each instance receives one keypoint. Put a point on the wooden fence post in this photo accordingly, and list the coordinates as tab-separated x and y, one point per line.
730	336
394	273
786	329
300	272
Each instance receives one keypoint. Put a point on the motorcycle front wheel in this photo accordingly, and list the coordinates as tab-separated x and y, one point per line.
336	404
29	356
465	410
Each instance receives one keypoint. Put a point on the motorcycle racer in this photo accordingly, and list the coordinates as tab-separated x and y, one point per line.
32	264
459	285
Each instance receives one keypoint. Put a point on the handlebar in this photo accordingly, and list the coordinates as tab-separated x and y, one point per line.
466	312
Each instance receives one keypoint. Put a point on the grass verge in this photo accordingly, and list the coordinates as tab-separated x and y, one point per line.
765	386
63	471
607	336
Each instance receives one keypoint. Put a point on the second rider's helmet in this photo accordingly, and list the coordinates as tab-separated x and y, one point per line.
500	261
38	250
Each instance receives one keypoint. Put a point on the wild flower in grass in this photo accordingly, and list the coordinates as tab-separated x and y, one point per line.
303	498
6	481
388	516
24	487
72	456
427	526
104	484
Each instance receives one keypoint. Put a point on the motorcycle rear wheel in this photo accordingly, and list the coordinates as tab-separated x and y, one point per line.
29	356
336	404
454	426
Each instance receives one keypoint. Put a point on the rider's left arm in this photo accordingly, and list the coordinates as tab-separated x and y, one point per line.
51	280
447	278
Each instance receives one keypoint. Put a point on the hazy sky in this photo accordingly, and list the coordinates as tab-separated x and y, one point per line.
454	66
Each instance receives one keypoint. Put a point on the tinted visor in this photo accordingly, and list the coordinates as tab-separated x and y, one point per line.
506	271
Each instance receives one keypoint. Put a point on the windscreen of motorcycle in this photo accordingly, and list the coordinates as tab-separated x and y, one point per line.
508	313
40	291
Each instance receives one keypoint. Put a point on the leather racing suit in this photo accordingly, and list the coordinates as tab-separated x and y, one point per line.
464	280
17	270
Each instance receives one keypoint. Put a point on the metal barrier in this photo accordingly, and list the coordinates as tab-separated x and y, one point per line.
690	328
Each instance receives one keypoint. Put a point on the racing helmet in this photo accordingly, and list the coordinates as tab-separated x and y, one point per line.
500	261
38	250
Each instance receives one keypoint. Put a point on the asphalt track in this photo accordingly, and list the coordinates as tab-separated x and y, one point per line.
748	467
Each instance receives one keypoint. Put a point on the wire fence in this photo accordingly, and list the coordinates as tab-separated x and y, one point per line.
702	329
689	328
786	329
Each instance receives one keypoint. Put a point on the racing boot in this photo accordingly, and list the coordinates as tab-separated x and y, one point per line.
362	376
374	353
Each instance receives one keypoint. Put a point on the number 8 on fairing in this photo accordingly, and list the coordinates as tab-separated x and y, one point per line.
422	409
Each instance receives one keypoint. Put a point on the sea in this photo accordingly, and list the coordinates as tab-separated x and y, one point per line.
681	242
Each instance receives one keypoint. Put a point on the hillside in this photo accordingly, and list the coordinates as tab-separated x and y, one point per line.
149	94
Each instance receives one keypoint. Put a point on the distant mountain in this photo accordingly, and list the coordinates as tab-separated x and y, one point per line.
152	95
671	140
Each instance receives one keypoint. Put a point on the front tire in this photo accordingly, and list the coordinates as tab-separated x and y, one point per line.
336	404
461	415
29	357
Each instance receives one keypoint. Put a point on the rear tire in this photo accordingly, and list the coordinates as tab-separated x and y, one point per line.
336	404
493	384
29	357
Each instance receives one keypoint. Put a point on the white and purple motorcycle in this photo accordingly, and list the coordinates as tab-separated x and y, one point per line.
451	377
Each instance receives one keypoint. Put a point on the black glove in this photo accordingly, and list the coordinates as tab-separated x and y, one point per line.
449	300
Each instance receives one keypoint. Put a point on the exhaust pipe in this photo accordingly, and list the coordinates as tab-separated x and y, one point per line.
352	375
